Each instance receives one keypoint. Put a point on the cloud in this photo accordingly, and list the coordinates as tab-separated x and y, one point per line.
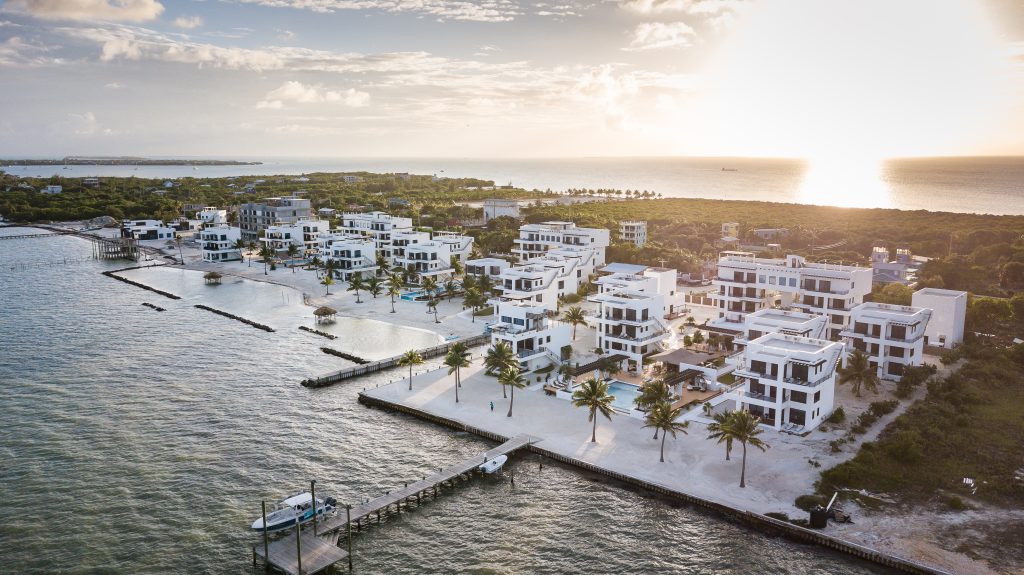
300	93
477	11
113	86
658	35
112	10
188	22
17	51
286	35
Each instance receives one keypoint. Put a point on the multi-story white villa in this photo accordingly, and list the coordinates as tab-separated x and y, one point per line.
303	234
789	381
459	245
949	311
218	243
211	216
496	208
634	232
891	335
254	217
529	329
380	226
746	283
730	232
545	279
631	323
147	230
490	267
769	320
902	270
642	279
350	253
430	256
536	240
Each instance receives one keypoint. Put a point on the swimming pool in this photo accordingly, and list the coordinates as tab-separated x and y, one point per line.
624	393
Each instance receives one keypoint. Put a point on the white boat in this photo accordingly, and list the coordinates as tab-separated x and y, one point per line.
297	506
493	465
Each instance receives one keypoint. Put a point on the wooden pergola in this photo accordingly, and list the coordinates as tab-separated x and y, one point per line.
212	278
324	314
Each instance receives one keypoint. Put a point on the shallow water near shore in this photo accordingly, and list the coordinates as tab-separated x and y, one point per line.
136	441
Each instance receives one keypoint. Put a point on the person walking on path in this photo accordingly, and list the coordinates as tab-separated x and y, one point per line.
492	406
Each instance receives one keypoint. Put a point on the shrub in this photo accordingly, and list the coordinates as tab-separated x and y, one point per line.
808	502
835	445
880	408
858	429
838	416
572	298
956	504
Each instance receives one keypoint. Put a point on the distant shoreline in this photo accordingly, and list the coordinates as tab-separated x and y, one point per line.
124	162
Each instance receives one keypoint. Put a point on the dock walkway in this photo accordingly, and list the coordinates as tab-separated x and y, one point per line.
320	552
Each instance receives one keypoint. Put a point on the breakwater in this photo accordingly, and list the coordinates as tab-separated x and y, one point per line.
113	274
236	318
343	355
154	307
427	353
318	332
757	521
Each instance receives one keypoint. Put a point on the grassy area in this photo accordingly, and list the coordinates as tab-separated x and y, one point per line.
489	310
971	424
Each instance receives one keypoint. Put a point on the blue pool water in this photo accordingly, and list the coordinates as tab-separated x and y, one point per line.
624	393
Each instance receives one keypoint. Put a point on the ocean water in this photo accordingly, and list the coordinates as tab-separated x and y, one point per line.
140	442
992	185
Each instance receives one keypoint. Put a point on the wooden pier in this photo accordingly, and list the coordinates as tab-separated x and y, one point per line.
349	372
317	546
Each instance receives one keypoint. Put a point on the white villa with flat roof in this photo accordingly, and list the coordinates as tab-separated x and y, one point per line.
303	234
498	207
891	335
351	254
543	280
949	311
147	230
379	226
642	279
631	323
746	283
429	256
531	332
902	270
218	243
490	267
789	381
536	240
769	320
634	232
211	216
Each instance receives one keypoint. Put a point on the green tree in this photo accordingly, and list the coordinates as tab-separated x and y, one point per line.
664	418
652	394
293	251
474	300
718	430
239	246
859	372
698	337
394	291
429	285
375	286
593	395
410	358
744	427
500	357
267	253
450	288
253	247
574	316
456	359
512	378
327	282
355	283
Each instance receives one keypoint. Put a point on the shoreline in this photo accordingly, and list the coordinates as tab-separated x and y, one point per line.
757	521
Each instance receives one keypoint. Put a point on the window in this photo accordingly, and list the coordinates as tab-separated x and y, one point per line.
771	280
792	282
817	396
761	279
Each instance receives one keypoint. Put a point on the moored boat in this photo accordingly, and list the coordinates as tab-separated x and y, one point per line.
297	507
493	465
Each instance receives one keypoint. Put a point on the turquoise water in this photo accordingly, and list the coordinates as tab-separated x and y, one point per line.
138	442
625	393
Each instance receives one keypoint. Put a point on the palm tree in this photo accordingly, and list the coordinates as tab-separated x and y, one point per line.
177	241
745	427
719	430
575	316
374	285
499	358
859	371
664	417
253	246
382	263
513	378
652	394
355	283
468	283
593	395
608	367
457	269
267	253
457	358
240	245
394	290
429	285
474	299
485	284
327	282
410	358
450	287
293	251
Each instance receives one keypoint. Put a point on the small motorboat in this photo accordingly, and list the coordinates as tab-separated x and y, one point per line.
299	506
493	465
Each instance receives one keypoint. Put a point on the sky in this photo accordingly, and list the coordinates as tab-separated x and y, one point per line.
822	79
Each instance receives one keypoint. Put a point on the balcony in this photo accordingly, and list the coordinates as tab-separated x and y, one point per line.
645	339
759	397
528	353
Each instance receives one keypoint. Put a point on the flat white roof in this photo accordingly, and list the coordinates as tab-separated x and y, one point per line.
620	268
940	292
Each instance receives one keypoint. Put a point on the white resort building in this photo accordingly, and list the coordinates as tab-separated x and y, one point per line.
496	208
218	243
147	230
769	320
430	256
303	234
949	311
643	279
789	381
630	322
529	329
379	226
891	335
902	270
746	283
351	254
545	279
254	217
634	232
211	216
490	267
536	240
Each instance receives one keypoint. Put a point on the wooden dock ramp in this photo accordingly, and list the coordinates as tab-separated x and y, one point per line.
320	551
